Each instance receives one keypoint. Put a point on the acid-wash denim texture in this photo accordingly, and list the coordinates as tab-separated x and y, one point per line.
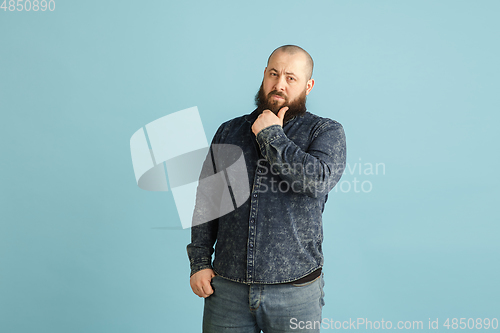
276	235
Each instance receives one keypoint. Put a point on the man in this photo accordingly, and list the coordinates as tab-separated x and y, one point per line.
266	274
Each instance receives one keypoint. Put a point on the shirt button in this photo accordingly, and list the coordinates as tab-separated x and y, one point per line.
255	195
251	244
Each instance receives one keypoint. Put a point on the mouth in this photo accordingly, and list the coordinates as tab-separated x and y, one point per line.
277	97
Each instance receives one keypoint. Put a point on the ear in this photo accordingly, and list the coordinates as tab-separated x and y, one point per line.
309	86
265	69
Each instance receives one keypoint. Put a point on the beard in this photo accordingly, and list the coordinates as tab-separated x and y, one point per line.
295	108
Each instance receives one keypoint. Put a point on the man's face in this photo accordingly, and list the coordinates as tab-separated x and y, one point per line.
285	83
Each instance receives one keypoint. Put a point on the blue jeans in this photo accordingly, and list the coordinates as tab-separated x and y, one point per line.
241	308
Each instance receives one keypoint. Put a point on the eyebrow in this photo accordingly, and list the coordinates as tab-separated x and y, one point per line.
287	73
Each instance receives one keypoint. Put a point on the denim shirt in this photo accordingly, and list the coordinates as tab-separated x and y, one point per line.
276	235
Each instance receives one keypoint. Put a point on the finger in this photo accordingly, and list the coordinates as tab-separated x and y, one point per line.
201	293
282	111
198	292
207	289
198	289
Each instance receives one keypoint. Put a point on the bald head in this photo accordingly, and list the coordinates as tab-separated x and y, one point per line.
292	50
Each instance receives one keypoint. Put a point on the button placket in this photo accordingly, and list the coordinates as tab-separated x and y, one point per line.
251	225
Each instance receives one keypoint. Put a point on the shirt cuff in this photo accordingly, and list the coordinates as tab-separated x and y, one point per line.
203	264
268	135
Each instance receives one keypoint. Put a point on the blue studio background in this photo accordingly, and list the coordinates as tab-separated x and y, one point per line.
411	232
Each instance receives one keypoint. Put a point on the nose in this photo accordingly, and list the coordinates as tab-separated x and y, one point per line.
280	83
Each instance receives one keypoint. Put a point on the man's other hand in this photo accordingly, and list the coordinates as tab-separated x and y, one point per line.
200	282
268	118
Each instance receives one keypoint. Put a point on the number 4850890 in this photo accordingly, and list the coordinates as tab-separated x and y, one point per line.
28	5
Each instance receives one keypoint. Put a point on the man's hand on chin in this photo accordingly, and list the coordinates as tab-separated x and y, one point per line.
268	118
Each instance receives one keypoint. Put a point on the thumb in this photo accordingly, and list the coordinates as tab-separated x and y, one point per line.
281	113
207	288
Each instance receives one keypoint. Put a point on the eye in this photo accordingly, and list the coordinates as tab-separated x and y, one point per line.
273	74
291	78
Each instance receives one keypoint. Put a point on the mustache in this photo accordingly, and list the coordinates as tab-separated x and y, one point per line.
277	93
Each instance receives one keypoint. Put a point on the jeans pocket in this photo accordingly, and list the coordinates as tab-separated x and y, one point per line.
214	281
